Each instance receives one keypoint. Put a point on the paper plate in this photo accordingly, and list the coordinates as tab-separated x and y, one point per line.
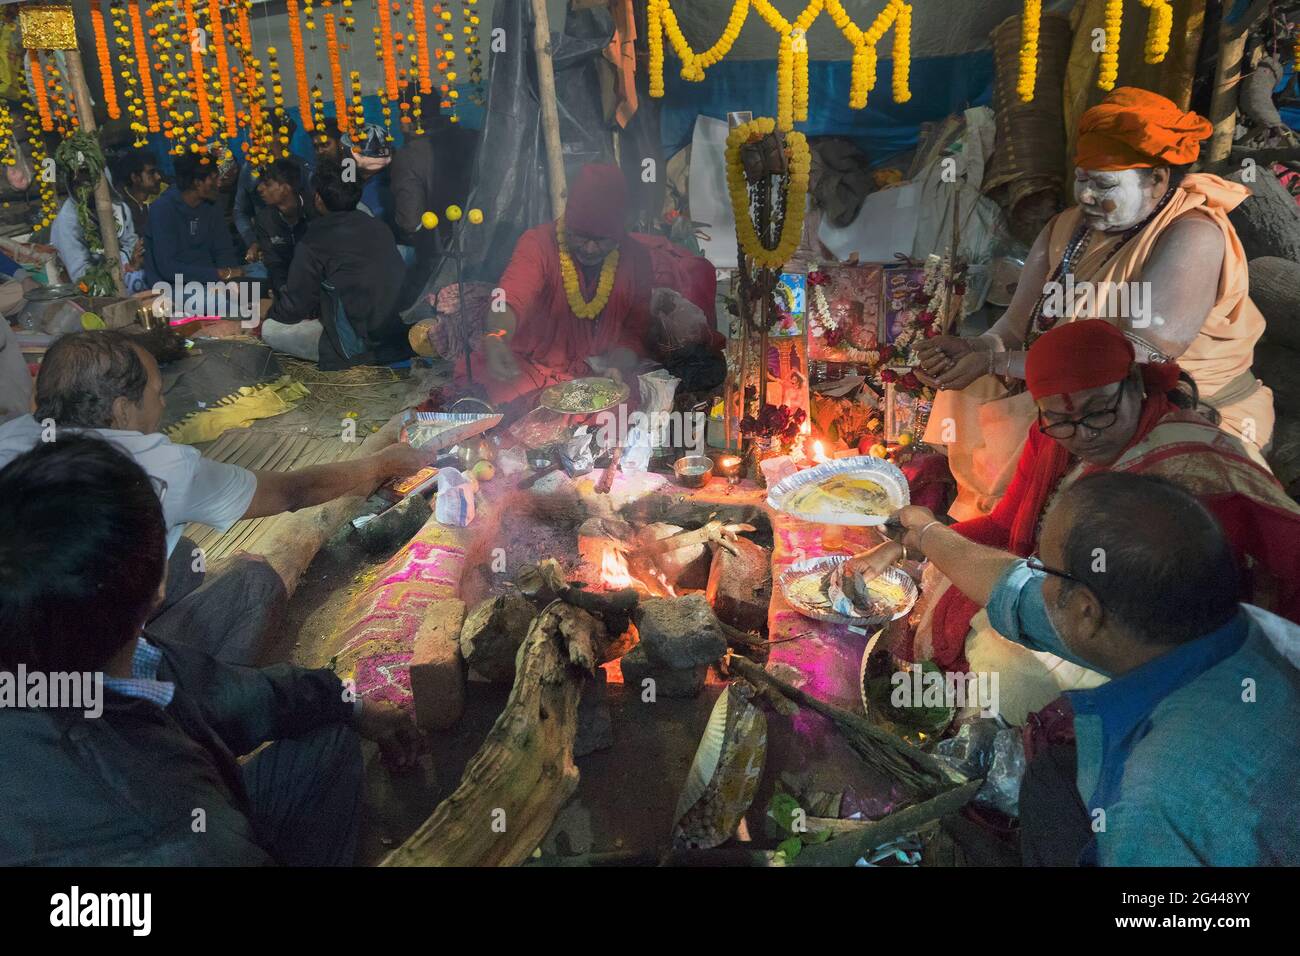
557	397
795	586
784	496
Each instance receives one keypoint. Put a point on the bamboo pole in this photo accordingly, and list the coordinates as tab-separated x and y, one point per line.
103	199
1228	74
550	114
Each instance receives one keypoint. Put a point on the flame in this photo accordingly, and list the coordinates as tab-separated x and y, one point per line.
819	452
806	427
613	570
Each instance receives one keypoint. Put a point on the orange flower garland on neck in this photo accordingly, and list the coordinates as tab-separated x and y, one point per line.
105	62
39	93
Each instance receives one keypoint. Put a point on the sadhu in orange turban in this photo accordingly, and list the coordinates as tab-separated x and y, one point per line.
1138	129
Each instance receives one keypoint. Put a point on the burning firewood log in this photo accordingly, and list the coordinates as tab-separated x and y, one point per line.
524	773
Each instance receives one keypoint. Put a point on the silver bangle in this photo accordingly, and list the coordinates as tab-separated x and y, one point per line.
920	538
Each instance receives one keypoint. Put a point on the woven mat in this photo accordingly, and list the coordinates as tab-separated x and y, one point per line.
262	451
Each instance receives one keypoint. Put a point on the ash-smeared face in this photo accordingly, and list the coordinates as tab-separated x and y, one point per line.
1113	200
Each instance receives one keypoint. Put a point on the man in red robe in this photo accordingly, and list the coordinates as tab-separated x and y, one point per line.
1099	410
577	295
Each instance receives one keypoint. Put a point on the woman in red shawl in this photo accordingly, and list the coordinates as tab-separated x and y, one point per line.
577	293
1100	410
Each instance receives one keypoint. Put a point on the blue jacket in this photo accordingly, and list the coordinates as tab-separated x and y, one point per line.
1191	759
192	241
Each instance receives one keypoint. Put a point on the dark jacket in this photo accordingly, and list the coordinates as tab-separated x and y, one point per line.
121	789
348	259
277	239
191	241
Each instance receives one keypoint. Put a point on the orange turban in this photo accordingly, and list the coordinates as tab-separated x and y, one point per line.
1079	355
1138	129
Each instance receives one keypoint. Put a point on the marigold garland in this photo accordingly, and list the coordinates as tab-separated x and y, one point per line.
1108	72
796	193
142	64
218	29
299	64
573	291
1159	27
385	34
7	150
36	143
336	74
39	92
198	79
422	48
105	62
792	50
1030	23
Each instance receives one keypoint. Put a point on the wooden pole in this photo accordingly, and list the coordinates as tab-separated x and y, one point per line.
550	114
103	199
1228	74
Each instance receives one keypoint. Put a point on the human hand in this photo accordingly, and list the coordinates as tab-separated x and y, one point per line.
872	563
938	354
501	363
960	373
254	253
393	729
914	519
400	460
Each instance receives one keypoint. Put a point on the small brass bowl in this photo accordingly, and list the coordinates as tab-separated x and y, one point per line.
693	471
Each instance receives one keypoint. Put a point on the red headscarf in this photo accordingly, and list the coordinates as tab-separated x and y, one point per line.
1080	355
597	204
1138	129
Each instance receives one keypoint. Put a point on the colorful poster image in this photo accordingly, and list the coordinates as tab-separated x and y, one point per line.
902	285
844	313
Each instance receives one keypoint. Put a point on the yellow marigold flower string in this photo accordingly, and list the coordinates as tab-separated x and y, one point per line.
1159	27
1108	72
573	291
796	194
1029	27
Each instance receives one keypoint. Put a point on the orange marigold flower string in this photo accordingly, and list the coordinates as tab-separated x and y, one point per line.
105	61
421	45
142	63
223	67
386	36
336	74
299	65
39	92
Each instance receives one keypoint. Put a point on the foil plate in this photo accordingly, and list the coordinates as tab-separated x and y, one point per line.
831	610
553	397
885	473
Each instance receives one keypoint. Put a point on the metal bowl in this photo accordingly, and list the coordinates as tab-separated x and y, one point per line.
693	471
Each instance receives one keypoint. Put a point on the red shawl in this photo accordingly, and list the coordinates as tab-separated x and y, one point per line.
1261	527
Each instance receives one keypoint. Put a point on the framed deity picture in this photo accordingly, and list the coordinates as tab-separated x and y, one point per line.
902	285
844	313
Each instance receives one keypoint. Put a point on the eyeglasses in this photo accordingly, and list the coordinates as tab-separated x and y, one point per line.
1034	563
1094	422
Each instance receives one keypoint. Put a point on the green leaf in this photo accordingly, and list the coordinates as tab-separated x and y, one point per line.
790	848
782	810
820	836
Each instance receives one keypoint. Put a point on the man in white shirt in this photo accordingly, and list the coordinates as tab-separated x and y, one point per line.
103	382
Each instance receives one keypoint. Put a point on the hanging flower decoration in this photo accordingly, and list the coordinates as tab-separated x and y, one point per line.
101	50
65	117
795	193
693	64
791	59
1159	27
7	151
1108	72
218	28
126	69
198	80
473	52
141	64
36	143
572	290
384	46
421	48
299	64
39	92
336	73
1029	27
